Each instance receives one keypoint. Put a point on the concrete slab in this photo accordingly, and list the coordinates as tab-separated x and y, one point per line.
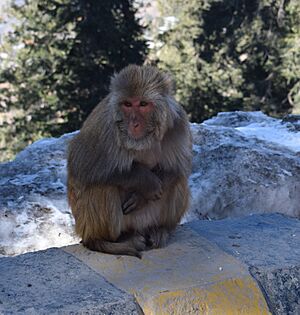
189	276
54	282
270	245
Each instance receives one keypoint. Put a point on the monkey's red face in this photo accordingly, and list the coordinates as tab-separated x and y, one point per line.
136	112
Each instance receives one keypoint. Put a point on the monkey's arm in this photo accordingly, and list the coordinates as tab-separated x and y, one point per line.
166	175
138	179
141	183
136	200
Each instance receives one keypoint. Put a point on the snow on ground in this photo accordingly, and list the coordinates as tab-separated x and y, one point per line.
26	232
42	223
34	213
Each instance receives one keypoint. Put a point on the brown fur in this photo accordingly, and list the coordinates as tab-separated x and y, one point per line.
105	167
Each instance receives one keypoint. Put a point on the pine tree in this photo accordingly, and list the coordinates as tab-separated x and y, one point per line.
233	55
290	68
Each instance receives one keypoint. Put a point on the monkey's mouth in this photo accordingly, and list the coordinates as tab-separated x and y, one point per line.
136	131
136	140
143	135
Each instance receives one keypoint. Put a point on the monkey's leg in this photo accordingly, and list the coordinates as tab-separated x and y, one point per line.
98	219
133	239
114	248
173	205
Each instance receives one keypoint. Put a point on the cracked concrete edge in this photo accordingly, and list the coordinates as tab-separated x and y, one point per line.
281	287
190	276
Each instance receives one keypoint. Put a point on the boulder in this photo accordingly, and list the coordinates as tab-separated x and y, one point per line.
245	163
34	213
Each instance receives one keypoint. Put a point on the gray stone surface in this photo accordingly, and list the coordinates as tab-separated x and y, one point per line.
54	282
270	245
266	240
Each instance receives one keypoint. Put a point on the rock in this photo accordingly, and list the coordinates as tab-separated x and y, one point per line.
282	287
243	163
293	122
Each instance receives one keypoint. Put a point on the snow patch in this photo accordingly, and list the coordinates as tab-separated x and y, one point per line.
36	228
275	132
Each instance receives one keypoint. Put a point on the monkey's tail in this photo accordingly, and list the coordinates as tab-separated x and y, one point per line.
123	248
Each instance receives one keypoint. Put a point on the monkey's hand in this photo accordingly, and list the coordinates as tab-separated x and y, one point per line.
133	202
143	182
151	189
140	180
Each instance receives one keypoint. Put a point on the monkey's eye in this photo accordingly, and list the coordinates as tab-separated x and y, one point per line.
143	103
127	104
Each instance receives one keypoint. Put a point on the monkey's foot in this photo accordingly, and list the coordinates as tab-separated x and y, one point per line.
139	242
115	248
156	238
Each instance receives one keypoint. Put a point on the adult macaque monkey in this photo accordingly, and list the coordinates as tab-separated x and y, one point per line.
128	167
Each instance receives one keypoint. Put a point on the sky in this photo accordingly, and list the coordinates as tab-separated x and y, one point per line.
3	27
3	3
